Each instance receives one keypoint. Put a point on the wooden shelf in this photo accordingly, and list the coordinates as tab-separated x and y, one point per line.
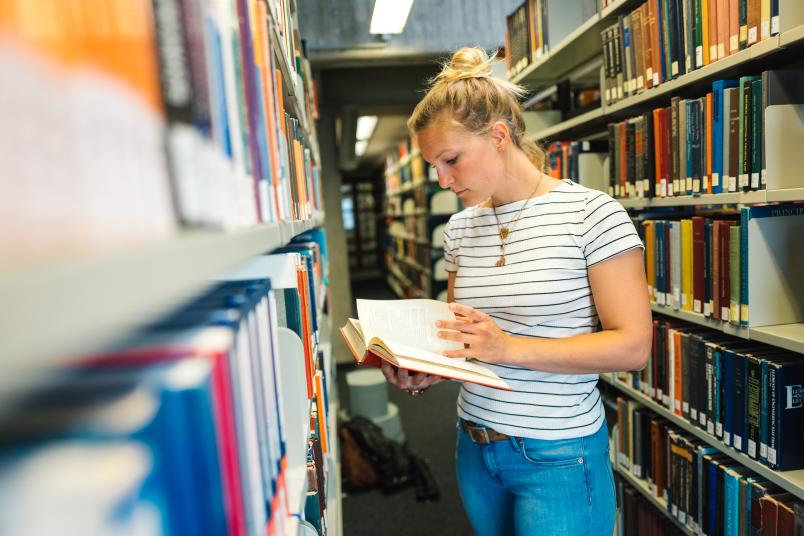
792	481
87	305
727	67
787	336
643	488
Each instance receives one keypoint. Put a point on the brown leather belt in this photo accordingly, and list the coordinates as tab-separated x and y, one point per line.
482	434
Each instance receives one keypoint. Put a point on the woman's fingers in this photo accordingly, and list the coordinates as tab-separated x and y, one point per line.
469	312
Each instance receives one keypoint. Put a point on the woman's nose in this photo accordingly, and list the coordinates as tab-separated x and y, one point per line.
444	179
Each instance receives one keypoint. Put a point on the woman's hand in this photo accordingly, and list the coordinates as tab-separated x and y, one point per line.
408	380
481	336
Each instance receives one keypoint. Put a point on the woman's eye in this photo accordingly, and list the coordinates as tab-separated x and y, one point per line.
452	161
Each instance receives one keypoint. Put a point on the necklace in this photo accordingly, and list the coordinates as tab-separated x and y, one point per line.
506	231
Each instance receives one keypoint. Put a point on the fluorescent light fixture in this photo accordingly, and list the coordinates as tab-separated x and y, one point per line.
365	126
390	16
360	147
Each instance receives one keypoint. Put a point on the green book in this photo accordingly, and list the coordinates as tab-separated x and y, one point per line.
698	33
744	133
756	134
734	274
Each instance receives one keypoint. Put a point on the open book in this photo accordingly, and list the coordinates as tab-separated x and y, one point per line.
403	333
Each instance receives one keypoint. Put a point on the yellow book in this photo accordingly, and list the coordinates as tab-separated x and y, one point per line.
686	265
705	31
650	256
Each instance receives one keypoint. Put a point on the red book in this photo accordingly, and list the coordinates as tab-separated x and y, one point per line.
724	290
668	149
698	263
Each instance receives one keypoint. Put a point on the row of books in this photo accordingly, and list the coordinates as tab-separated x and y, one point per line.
637	516
536	25
88	100
187	428
701	264
568	159
664	39
712	144
405	165
223	86
706	491
745	394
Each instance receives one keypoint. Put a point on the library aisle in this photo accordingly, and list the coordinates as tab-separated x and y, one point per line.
194	194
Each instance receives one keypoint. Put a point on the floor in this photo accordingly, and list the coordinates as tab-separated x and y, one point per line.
429	426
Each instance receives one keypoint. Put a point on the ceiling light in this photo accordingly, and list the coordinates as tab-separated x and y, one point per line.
360	147
365	126
389	16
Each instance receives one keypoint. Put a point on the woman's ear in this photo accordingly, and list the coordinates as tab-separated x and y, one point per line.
501	135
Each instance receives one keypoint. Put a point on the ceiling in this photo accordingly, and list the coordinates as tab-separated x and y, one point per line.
362	74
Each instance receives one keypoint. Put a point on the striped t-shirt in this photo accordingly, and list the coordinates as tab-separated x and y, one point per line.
542	291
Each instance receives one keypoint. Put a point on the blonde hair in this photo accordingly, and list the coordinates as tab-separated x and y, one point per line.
475	100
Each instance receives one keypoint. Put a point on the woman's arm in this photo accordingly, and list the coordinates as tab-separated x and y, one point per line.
619	289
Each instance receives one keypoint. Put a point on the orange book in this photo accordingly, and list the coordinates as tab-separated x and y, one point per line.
708	130
734	26
280	101
307	330
723	18
753	14
658	143
713	35
650	255
531	11
322	416
678	369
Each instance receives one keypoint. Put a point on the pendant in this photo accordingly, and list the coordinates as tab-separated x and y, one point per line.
503	233
501	261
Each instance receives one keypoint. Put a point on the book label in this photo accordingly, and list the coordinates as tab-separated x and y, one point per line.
763	177
675	511
699	56
654	489
677	405
688	184
649	72
637	470
764	32
696	186
666	401
663	188
682	517
752	448
763	450
755	181
607	93
696	306
659	394
715	179
685	407
656	79
752	35
707	309
710	428
744	313
734	313
772	455
705	182
646	185
738	442
640	82
734	43
724	314
702	420
713	53
694	414
732	184
688	63
743	180
674	68
719	429
774	29
727	438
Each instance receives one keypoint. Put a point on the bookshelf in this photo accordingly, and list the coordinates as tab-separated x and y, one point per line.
112	298
779	51
791	481
770	49
416	209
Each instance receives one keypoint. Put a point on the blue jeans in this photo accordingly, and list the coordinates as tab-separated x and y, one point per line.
530	487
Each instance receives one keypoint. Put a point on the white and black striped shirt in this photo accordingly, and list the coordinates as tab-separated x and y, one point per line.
542	291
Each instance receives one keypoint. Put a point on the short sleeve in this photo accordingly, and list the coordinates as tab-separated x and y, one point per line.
607	230
450	253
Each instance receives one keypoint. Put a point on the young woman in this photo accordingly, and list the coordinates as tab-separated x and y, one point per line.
547	280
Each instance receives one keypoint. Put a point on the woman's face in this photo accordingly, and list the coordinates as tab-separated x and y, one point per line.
468	164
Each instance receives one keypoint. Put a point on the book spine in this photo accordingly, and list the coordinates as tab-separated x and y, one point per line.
773	415
752	406
745	214
734	274
738	424
756	134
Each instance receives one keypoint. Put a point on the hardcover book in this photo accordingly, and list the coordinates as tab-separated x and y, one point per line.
383	332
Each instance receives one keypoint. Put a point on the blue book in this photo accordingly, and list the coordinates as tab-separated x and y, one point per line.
786	413
738	435
732	506
729	371
717	133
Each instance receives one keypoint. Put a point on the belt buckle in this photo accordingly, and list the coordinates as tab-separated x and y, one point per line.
479	435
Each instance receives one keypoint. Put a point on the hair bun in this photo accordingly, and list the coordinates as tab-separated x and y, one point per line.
466	63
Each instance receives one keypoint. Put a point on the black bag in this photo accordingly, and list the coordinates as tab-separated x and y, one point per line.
393	465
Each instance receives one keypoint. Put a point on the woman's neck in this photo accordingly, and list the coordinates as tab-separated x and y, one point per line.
522	181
